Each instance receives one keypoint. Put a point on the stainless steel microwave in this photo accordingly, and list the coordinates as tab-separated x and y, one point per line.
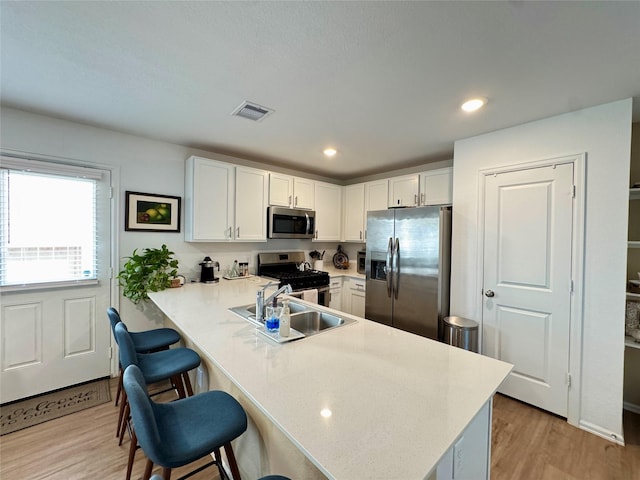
285	222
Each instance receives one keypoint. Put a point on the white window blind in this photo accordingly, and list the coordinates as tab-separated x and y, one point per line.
48	223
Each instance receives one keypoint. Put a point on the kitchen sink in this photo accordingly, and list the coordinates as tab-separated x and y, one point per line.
304	318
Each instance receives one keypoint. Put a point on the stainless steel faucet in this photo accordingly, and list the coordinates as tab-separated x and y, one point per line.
261	302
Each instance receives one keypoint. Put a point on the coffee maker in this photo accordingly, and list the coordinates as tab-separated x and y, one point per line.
206	274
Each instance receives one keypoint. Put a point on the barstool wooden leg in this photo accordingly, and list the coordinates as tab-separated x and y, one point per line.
235	473
187	382
166	473
132	453
147	470
119	391
123	405
125	422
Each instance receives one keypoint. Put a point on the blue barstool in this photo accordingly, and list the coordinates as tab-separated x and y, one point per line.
180	432
145	342
173	364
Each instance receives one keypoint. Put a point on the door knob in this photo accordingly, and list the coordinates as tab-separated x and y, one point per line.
489	293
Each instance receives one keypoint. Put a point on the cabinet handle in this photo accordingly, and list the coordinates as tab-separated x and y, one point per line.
230	232
360	234
295	202
289	200
238	232
422	199
415	199
316	234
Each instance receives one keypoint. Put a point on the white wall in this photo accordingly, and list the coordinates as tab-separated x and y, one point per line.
604	133
144	165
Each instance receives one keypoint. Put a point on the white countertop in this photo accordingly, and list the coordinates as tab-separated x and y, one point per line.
398	401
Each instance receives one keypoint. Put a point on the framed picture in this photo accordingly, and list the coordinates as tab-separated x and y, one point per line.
148	212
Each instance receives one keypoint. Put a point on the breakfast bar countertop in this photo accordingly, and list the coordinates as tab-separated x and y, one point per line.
359	401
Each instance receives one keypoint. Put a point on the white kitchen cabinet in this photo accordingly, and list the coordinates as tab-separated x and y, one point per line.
328	201
293	192
376	195
335	288
224	202
436	187
404	191
250	205
359	199
353	296
354	213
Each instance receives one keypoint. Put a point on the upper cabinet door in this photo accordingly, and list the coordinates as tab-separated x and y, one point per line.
280	190
376	195
328	200
436	187
303	193
208	200
251	204
354	213
403	191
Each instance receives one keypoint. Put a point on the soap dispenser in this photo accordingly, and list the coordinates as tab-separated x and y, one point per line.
285	320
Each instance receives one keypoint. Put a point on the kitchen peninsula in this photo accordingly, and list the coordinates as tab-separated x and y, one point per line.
356	402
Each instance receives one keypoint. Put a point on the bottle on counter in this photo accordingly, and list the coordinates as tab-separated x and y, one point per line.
285	320
272	322
234	269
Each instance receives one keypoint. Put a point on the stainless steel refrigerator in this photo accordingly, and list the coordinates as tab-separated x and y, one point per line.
407	268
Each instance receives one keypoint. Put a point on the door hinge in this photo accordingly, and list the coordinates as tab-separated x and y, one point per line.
568	379
571	286
573	192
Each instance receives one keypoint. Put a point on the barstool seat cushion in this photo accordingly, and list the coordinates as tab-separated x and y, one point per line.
274	477
154	339
195	426
164	364
180	432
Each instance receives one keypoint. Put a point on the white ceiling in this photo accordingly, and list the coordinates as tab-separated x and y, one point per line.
380	81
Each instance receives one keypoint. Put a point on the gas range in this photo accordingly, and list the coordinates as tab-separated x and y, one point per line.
283	267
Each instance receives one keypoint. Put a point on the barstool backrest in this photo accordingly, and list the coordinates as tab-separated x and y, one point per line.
143	415
114	319
128	355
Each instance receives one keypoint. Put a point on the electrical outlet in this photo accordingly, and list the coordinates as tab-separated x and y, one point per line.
458	459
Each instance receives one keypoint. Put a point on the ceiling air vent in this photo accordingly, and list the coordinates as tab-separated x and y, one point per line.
252	111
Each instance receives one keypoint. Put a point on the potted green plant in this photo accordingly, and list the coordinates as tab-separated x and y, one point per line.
149	271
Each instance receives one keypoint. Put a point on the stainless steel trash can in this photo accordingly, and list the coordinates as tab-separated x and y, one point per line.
461	332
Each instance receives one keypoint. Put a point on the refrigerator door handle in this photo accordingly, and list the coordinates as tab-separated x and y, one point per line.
396	267
388	269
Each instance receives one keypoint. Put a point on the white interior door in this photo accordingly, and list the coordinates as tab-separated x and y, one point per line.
55	278
527	281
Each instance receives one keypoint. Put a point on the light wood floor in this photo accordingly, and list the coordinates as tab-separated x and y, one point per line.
527	444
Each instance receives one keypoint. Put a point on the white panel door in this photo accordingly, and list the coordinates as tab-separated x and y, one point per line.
55	333
527	281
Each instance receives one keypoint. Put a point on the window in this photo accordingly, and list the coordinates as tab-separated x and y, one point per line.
48	223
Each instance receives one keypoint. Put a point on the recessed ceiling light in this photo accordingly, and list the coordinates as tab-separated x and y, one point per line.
473	104
329	152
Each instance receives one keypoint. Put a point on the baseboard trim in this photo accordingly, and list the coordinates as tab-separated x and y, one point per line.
606	434
632	407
